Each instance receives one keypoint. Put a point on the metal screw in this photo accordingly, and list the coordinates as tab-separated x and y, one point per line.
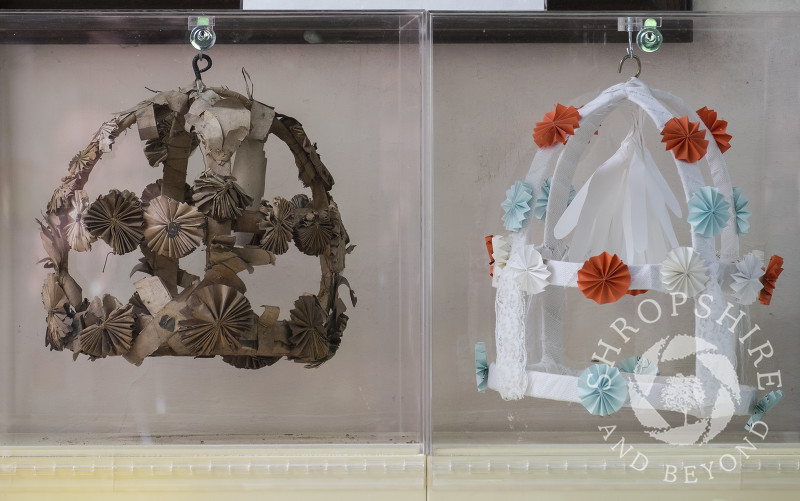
202	37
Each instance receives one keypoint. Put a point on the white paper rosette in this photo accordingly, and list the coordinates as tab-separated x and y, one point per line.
684	271
530	271
747	280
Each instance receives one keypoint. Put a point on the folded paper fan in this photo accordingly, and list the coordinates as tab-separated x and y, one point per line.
481	367
685	139
708	211
556	126
540	208
517	205
602	390
747	280
742	214
684	272
604	278
774	269
717	128
530	270
637	365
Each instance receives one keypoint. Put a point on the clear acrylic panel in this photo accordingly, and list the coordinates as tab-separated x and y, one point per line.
356	83
494	77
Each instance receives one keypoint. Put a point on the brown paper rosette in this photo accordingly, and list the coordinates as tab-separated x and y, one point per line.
277	225
220	197
78	236
117	219
107	328
309	340
249	362
174	229
220	316
313	233
59	317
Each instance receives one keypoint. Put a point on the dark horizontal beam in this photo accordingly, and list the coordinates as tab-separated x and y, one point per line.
165	27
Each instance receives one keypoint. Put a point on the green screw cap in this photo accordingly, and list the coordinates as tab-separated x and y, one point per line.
649	38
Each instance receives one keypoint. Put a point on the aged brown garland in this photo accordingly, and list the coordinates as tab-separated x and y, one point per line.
210	316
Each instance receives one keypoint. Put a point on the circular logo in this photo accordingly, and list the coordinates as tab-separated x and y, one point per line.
707	400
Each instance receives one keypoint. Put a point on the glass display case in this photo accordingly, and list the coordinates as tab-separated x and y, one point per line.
591	351
496	82
356	82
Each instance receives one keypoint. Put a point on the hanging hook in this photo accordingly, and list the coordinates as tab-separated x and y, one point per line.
629	53
200	56
635	58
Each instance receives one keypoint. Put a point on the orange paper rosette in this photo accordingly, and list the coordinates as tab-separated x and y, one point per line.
718	128
491	254
685	139
556	126
774	269
636	292
604	278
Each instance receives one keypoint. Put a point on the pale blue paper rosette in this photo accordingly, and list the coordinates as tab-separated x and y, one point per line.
481	367
540	208
517	205
708	211
602	389
638	365
742	214
766	403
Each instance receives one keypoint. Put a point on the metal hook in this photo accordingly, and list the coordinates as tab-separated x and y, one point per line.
638	64
200	56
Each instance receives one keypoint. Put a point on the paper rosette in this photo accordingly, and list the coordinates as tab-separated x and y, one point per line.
481	367
747	280
529	269
708	211
766	403
604	278
602	389
500	250
107	327
490	250
637	365
684	271
78	236
685	139
774	269
59	313
220	197
117	219
540	208
742	214
517	205
174	229
717	128
556	126
220	316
